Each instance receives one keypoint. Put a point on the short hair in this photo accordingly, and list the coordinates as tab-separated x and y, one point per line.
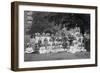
32	36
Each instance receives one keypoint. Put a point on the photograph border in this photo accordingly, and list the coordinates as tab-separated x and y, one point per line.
15	34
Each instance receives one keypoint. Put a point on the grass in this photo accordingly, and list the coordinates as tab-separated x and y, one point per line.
56	56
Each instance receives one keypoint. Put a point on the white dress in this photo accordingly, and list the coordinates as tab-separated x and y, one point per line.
29	50
42	50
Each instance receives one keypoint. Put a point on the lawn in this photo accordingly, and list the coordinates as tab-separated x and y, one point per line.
56	56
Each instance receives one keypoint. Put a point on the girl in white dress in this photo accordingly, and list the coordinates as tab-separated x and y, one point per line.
29	49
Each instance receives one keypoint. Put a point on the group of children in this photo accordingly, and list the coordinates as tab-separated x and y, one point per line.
51	43
46	44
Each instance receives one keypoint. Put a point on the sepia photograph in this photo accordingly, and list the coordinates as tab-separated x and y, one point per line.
56	36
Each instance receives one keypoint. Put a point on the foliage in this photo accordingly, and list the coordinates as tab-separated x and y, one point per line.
53	22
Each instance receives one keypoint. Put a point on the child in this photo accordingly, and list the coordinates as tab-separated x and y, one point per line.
29	49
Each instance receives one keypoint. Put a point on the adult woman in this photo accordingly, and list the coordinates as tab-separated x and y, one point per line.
32	42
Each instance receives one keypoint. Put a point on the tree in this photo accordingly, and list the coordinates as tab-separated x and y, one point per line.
55	21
